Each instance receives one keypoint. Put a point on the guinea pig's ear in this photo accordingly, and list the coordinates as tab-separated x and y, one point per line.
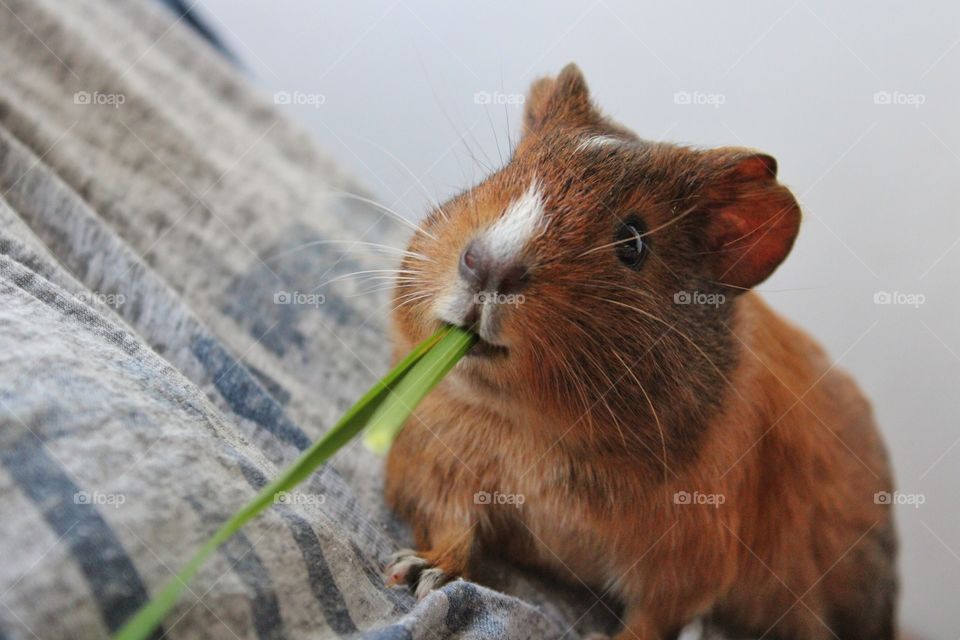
565	99
751	219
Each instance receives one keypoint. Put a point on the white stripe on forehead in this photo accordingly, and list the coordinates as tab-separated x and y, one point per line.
520	223
598	142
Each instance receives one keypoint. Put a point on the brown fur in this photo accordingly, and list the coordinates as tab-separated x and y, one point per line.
613	398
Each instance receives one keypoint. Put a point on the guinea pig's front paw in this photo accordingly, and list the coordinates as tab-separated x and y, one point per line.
403	567
406	567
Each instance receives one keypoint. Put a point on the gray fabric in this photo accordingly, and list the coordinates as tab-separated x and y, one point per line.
151	208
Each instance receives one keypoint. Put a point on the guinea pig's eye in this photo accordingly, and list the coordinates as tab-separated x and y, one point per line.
630	245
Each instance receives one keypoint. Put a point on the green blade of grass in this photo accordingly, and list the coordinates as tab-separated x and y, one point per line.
386	406
390	416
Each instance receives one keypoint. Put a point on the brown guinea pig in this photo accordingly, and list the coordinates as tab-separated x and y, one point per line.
634	418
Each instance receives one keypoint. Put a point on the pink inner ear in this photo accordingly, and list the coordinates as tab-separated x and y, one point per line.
752	236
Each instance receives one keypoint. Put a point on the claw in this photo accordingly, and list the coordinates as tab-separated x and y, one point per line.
405	567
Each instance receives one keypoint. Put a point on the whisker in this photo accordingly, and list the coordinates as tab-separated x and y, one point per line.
416	181
383	286
383	279
360	273
604	246
461	135
681	334
493	130
607	285
396	216
670	222
663	440
372	245
380	288
411	300
642	235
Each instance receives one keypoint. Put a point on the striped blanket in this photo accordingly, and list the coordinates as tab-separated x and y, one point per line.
172	332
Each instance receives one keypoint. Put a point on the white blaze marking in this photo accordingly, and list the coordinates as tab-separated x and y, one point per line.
520	223
503	241
598	142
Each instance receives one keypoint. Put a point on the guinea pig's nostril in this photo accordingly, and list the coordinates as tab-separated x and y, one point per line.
513	279
473	265
469	259
482	272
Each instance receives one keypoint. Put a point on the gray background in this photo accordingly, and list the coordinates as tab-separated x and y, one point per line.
399	84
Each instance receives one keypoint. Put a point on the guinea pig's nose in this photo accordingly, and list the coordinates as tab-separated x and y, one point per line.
484	273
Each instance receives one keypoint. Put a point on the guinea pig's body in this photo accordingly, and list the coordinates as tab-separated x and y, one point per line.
635	420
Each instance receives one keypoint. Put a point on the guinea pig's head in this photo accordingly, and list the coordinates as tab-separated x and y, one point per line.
600	270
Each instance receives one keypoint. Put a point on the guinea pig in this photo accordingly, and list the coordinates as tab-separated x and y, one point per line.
634	418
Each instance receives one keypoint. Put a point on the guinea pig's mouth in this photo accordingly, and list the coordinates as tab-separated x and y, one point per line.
484	349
